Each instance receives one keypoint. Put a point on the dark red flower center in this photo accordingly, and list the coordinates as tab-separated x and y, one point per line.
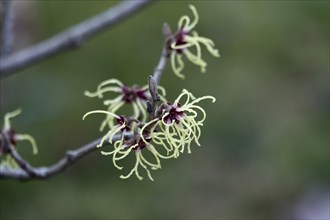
179	40
174	115
141	144
131	94
11	135
121	120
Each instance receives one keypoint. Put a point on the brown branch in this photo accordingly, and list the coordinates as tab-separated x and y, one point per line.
27	172
70	38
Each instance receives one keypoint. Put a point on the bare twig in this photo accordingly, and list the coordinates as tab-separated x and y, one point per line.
7	25
70	38
153	81
24	165
27	172
164	55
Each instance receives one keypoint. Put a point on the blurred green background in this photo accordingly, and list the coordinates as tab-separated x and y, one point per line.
265	142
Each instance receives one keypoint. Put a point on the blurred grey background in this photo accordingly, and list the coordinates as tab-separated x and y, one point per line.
265	142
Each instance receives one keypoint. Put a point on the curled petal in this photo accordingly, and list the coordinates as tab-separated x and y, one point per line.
138	162
7	118
100	90
184	22
100	111
177	58
110	81
29	138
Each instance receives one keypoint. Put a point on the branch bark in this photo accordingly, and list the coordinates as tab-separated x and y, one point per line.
164	55
71	38
7	26
27	172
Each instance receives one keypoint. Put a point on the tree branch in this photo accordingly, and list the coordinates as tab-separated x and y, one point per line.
24	165
7	25
70	38
27	172
164	55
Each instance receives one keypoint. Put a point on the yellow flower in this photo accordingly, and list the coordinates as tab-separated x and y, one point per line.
182	42
135	144
178	124
138	146
10	135
121	126
136	96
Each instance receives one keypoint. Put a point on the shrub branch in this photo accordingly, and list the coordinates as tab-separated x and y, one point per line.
70	38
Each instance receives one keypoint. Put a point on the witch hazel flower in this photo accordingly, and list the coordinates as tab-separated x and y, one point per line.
9	136
140	147
135	95
178	124
122	125
184	40
125	146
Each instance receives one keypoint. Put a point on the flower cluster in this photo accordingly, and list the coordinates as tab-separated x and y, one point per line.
172	130
155	131
9	136
184	40
176	125
135	96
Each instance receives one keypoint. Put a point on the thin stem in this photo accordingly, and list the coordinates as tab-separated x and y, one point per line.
7	26
164	55
154	80
24	165
161	65
71	38
27	172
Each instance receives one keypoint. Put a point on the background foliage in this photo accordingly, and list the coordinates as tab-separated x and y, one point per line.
265	143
